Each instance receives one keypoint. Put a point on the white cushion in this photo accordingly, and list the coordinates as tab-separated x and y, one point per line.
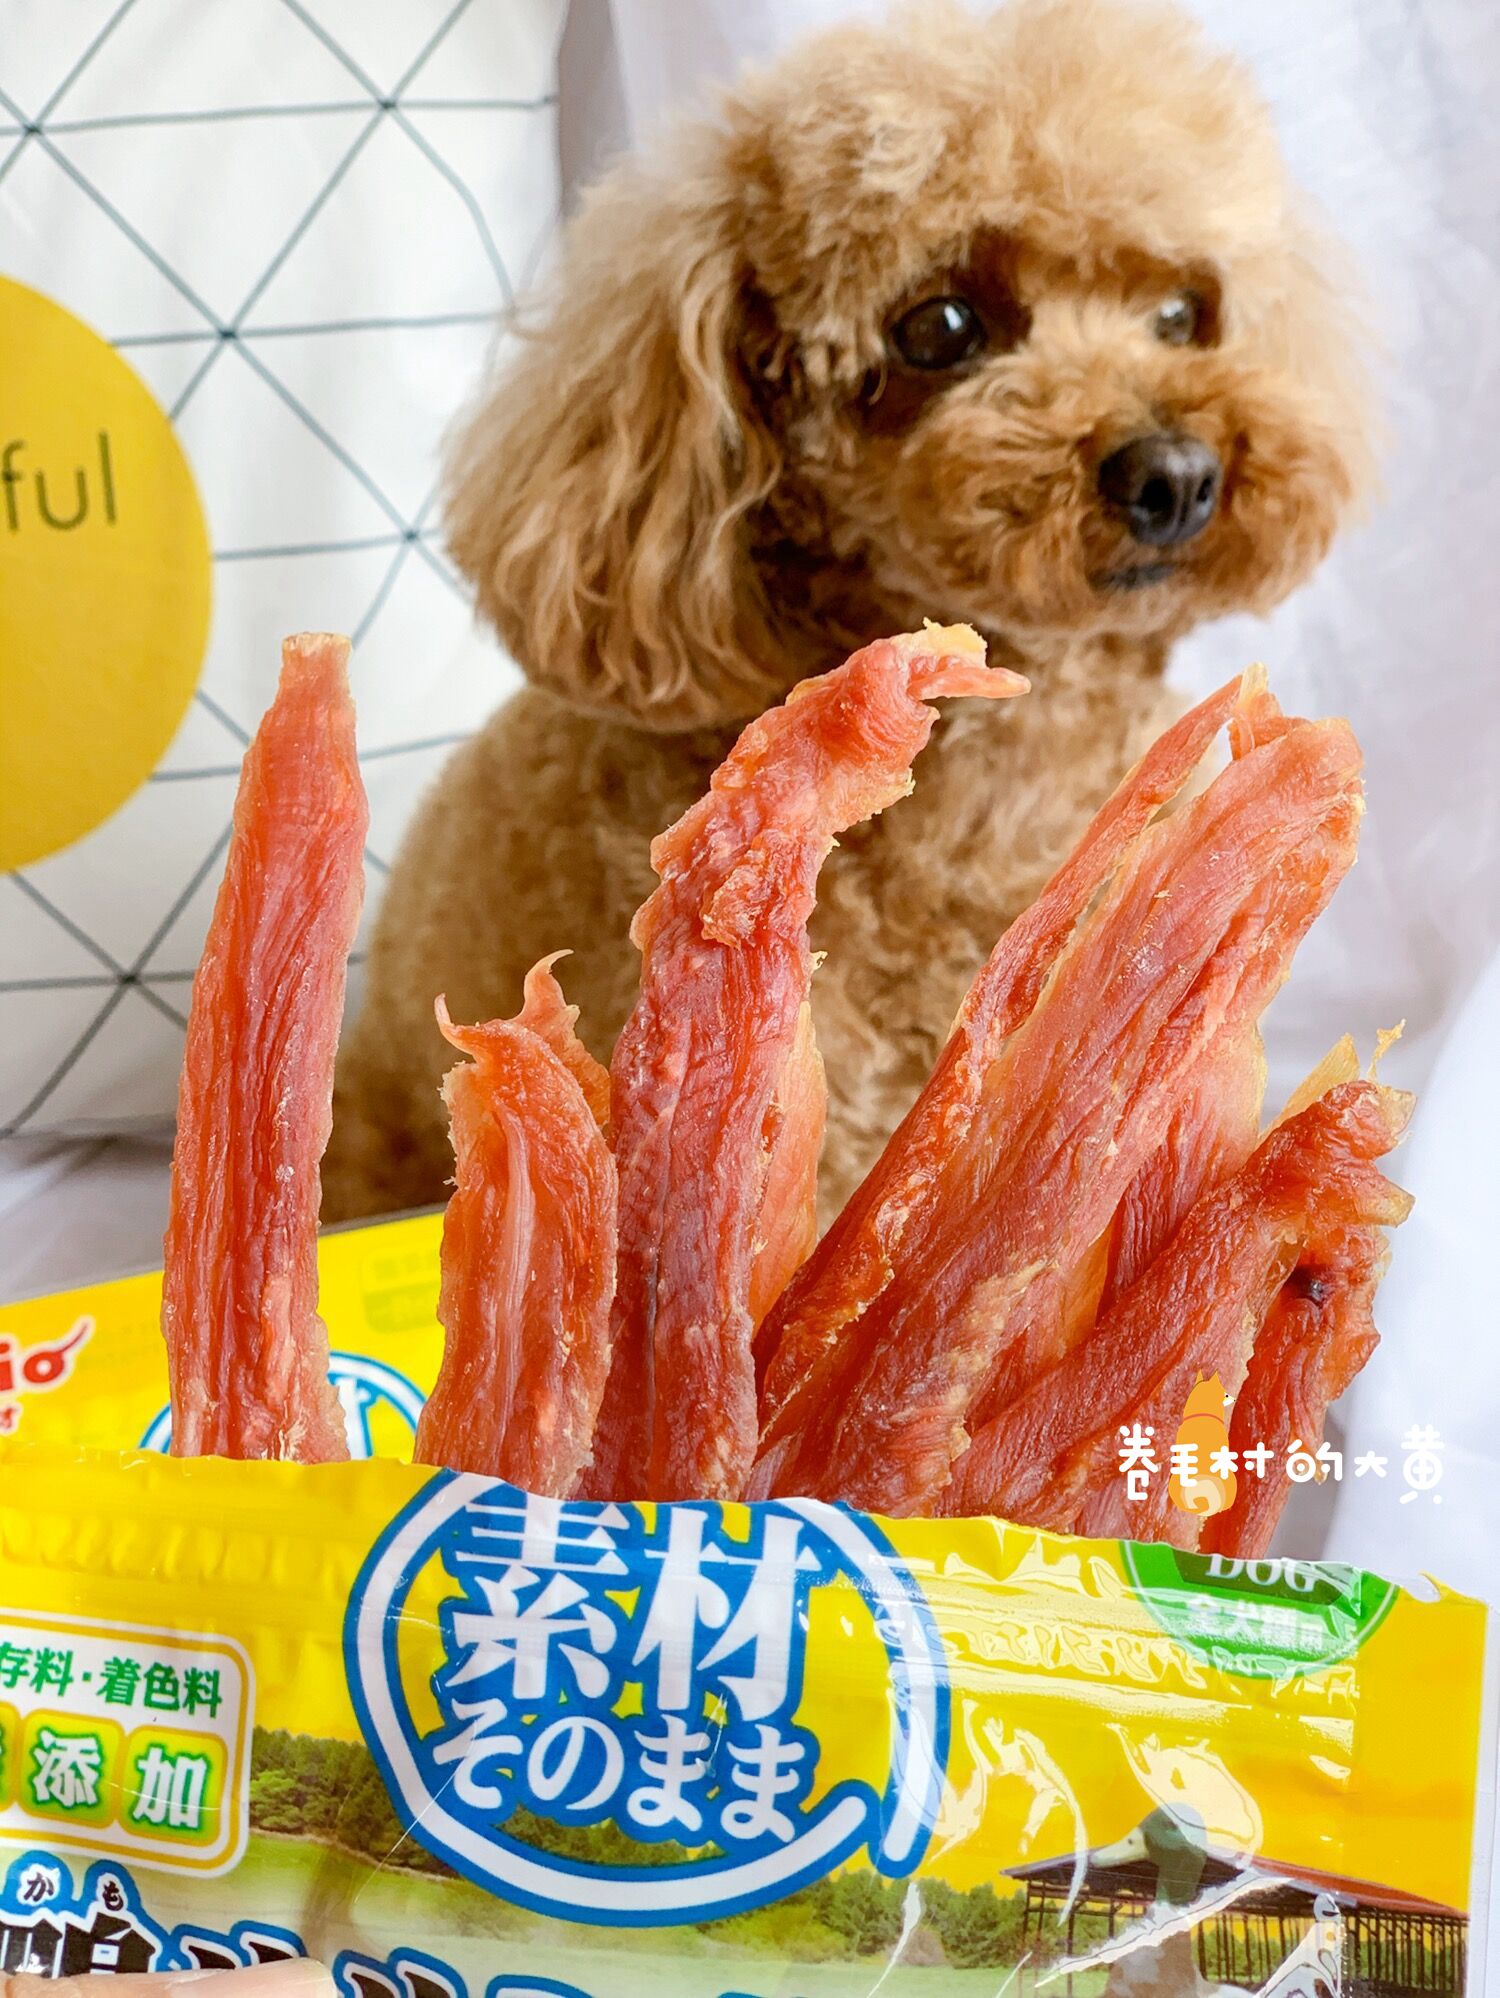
355	192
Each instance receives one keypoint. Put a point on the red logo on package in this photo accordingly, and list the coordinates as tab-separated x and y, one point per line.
33	1369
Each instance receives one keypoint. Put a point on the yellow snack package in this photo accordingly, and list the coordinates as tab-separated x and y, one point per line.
88	1366
457	1739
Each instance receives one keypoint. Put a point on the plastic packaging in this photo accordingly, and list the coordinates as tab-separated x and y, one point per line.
88	1366
455	1739
458	1740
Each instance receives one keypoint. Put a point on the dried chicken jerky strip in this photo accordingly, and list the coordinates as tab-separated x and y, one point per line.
1048	1320
1221	1096
547	1014
1215	1127
247	1353
788	1225
1189	938
528	1257
1318	1333
813	1335
715	1096
1317	1336
1340	1064
1052	1458
1346	1208
1212	1132
1258	716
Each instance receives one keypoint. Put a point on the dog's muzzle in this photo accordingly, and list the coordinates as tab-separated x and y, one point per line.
1163	488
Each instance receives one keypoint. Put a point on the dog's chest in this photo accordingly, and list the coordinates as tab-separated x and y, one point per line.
912	903
909	905
1001	795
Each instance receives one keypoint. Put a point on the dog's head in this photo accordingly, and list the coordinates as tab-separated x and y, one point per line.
1013	320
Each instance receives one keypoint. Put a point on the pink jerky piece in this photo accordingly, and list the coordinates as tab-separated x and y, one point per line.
247	1353
1189	940
816	1335
717	1099
528	1253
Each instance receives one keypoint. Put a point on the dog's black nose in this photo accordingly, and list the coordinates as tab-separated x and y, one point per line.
1164	488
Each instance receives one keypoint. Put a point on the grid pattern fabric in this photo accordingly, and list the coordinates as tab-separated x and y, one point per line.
301	221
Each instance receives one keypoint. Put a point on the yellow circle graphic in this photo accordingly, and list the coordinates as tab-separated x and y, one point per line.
105	579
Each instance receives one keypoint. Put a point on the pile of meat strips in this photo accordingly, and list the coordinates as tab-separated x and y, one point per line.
1081	1215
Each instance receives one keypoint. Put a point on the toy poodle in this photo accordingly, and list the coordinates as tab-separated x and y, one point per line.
1013	320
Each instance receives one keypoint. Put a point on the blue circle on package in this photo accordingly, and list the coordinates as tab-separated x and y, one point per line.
633	1678
364	1387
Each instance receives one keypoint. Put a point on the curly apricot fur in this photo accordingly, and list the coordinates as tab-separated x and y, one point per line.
705	477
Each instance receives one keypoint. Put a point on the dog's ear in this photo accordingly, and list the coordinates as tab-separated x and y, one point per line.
597	496
1324	336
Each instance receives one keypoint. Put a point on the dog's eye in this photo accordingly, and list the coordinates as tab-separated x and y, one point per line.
1178	319
939	333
